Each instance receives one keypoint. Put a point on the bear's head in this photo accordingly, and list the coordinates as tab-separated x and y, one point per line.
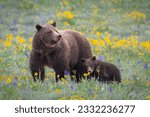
46	38
89	64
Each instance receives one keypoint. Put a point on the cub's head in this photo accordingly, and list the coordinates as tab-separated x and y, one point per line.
46	37
89	64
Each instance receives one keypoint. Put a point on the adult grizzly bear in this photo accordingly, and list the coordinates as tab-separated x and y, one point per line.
58	49
102	71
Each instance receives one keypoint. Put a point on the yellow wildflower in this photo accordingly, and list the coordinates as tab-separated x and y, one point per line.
19	78
72	76
58	91
65	2
125	81
23	70
107	39
64	81
148	97
97	49
133	41
35	74
140	54
59	14
2	77
30	39
62	98
27	78
76	97
52	74
137	15
98	34
68	14
101	42
146	45
108	34
66	24
7	43
147	83
8	81
95	28
29	47
121	42
9	37
115	38
95	42
20	40
81	32
86	74
50	22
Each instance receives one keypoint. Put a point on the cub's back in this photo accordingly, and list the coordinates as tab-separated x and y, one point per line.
111	68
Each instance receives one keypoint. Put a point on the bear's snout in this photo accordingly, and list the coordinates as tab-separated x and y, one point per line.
59	36
90	71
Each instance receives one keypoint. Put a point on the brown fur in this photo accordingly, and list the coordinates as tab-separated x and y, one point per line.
60	50
102	71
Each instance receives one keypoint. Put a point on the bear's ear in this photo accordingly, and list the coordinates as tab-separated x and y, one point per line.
38	27
83	60
93	58
54	24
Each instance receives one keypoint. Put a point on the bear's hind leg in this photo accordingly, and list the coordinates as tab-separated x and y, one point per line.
42	74
35	73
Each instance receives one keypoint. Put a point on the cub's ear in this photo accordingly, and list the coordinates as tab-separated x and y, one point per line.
38	27
54	24
93	58
83	60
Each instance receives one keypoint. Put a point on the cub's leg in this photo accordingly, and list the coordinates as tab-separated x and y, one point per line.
59	75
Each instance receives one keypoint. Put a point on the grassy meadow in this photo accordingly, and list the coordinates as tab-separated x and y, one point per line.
118	31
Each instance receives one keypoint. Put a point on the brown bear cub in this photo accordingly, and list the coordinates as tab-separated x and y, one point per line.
60	50
102	71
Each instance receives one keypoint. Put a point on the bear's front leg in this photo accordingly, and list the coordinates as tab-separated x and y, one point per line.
36	66
37	73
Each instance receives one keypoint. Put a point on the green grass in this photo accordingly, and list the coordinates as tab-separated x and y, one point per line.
91	16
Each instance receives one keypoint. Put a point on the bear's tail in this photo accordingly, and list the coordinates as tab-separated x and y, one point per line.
118	77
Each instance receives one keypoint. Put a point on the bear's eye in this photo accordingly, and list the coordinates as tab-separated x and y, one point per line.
53	42
49	31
